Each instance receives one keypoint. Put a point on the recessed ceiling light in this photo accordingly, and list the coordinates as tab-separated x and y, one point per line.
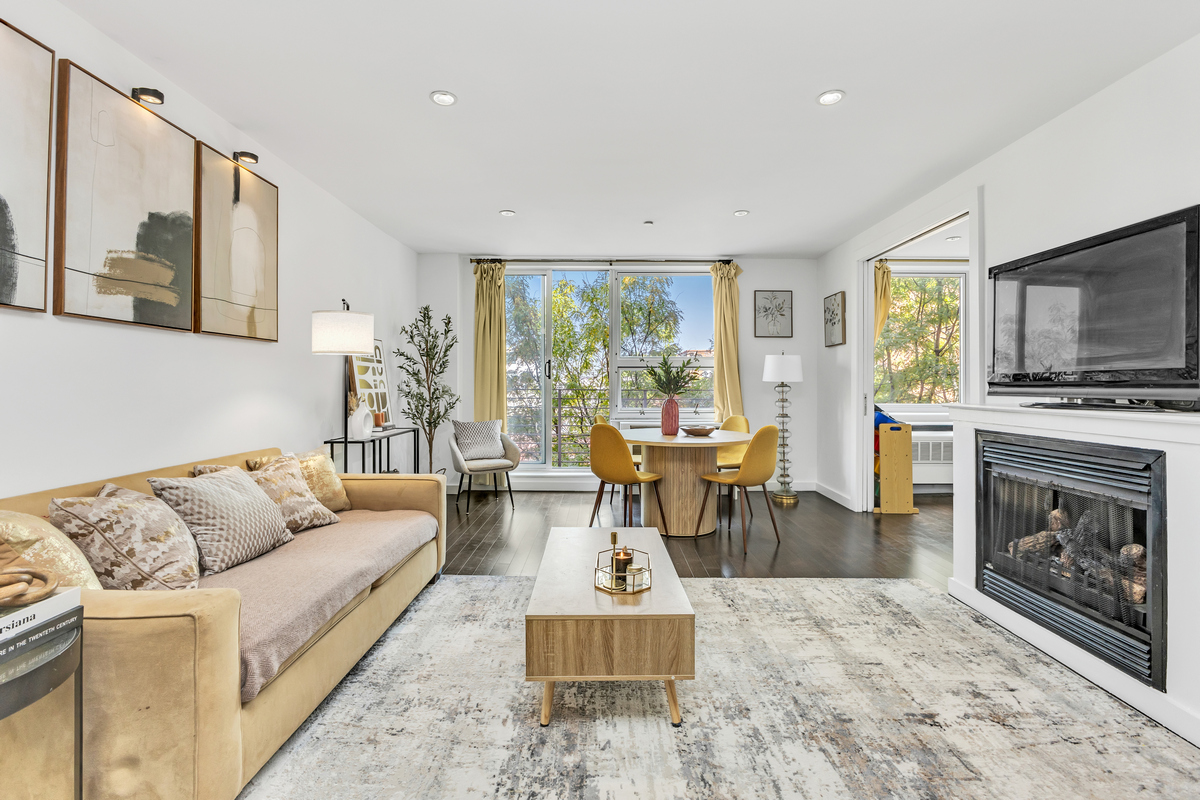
953	238
741	213
830	97
443	98
508	212
648	222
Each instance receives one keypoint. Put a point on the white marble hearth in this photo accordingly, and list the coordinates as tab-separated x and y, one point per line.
1178	435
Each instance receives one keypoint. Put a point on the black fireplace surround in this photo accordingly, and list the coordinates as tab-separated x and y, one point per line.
1072	535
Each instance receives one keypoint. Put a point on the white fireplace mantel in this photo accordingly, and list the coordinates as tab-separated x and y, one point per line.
1178	435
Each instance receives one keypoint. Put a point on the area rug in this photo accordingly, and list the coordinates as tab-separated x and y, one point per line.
805	689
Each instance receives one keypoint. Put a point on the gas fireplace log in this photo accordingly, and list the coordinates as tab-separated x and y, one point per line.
1042	541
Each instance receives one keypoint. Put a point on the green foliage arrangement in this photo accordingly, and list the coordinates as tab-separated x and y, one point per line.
670	381
917	355
425	397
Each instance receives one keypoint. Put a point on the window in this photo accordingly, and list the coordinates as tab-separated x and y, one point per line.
917	354
563	352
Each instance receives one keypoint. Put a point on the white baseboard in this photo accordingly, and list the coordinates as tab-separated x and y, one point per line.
580	482
834	495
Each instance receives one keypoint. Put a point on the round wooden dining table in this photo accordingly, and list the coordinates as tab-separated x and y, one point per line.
681	460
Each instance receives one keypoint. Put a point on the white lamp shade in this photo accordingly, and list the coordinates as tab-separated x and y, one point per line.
343	333
783	369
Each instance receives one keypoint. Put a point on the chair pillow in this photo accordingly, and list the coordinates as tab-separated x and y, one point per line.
232	519
46	547
133	540
283	481
478	440
320	475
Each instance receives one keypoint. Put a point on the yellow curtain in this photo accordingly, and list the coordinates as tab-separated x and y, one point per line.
490	372
883	295
727	382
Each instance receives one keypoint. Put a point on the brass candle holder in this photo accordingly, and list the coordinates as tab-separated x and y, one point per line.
622	570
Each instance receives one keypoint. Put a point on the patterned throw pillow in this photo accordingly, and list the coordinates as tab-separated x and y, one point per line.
133	540
320	475
232	519
46	547
283	481
478	440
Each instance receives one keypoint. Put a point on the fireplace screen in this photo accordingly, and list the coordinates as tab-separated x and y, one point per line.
1069	535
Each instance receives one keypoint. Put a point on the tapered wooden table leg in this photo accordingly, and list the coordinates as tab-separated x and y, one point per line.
673	702
548	701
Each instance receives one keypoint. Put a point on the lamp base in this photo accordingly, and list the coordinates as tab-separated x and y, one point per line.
785	497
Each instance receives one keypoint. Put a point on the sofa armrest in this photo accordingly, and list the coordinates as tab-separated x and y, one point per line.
392	492
162	694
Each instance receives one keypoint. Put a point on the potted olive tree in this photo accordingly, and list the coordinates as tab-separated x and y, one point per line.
425	397
670	382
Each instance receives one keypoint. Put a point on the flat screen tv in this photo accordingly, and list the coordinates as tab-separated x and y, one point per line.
1113	316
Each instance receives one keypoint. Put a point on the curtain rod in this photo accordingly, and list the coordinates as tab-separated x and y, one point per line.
923	234
609	261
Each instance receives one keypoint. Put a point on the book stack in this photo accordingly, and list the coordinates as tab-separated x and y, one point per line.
24	629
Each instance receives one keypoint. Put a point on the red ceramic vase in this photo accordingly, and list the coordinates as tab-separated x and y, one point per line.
670	417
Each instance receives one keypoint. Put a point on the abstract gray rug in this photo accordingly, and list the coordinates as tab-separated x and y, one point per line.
805	689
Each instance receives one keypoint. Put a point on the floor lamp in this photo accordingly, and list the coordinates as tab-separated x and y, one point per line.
343	333
783	370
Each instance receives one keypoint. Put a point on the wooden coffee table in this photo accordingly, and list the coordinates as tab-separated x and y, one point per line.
575	632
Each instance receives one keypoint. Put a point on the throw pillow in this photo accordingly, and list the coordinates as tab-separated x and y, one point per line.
283	481
46	547
320	475
133	540
478	440
232	519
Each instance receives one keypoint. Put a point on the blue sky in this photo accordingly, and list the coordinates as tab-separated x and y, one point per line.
693	293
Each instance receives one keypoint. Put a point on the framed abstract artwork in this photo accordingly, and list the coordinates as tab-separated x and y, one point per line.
124	205
237	249
772	314
27	100
835	319
371	382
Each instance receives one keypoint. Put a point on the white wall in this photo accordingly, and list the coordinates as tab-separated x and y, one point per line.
1125	154
85	399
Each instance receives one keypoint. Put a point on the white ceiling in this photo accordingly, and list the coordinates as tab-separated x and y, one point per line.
935	244
589	117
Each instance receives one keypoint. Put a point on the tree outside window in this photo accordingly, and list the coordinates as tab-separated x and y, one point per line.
917	355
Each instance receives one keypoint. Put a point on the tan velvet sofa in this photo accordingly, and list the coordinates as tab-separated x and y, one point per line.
163	715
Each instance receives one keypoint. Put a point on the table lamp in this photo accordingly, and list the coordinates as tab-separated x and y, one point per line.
783	370
343	333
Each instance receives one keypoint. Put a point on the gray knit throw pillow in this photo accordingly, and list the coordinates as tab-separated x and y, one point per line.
478	440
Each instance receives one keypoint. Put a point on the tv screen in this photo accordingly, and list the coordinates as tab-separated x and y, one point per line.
1111	316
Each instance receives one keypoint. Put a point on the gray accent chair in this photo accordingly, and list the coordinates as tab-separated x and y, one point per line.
483	466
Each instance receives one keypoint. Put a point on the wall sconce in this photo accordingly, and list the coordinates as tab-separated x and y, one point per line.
245	157
143	95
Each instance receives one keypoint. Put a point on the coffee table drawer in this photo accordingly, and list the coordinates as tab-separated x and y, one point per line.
610	649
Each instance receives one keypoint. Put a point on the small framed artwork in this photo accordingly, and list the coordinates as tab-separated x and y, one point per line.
237	249
124	207
835	319
772	314
27	97
371	382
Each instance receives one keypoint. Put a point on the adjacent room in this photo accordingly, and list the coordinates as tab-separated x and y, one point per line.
555	400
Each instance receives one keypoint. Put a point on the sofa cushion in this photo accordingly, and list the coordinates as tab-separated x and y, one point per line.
283	481
291	593
320	475
489	464
232	519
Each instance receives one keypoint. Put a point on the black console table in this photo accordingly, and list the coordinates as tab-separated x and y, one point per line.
381	449
30	676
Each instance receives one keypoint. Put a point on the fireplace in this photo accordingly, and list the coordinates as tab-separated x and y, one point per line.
1072	535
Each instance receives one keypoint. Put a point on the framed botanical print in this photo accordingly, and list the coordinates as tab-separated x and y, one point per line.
237	249
27	100
835	319
772	314
124	206
371	382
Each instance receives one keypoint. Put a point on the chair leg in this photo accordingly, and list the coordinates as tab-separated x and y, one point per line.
629	512
470	483
773	523
661	514
749	505
456	494
495	484
742	495
596	508
703	503
508	483
612	494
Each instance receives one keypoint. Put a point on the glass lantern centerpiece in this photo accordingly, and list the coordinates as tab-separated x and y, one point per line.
622	570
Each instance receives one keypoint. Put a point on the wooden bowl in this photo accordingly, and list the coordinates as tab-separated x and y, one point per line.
698	430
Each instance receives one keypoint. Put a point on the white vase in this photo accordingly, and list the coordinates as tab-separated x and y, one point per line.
361	423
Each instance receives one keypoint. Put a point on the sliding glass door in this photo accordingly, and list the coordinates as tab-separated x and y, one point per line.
528	363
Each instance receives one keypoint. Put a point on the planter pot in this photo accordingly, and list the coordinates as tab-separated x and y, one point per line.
670	417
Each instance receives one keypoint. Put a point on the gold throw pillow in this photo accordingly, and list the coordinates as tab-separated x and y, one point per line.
283	481
46	547
319	474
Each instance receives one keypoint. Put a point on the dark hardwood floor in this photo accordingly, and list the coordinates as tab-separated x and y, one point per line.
820	539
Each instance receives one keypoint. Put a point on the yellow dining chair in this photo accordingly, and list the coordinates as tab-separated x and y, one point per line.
637	454
758	465
730	457
612	463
